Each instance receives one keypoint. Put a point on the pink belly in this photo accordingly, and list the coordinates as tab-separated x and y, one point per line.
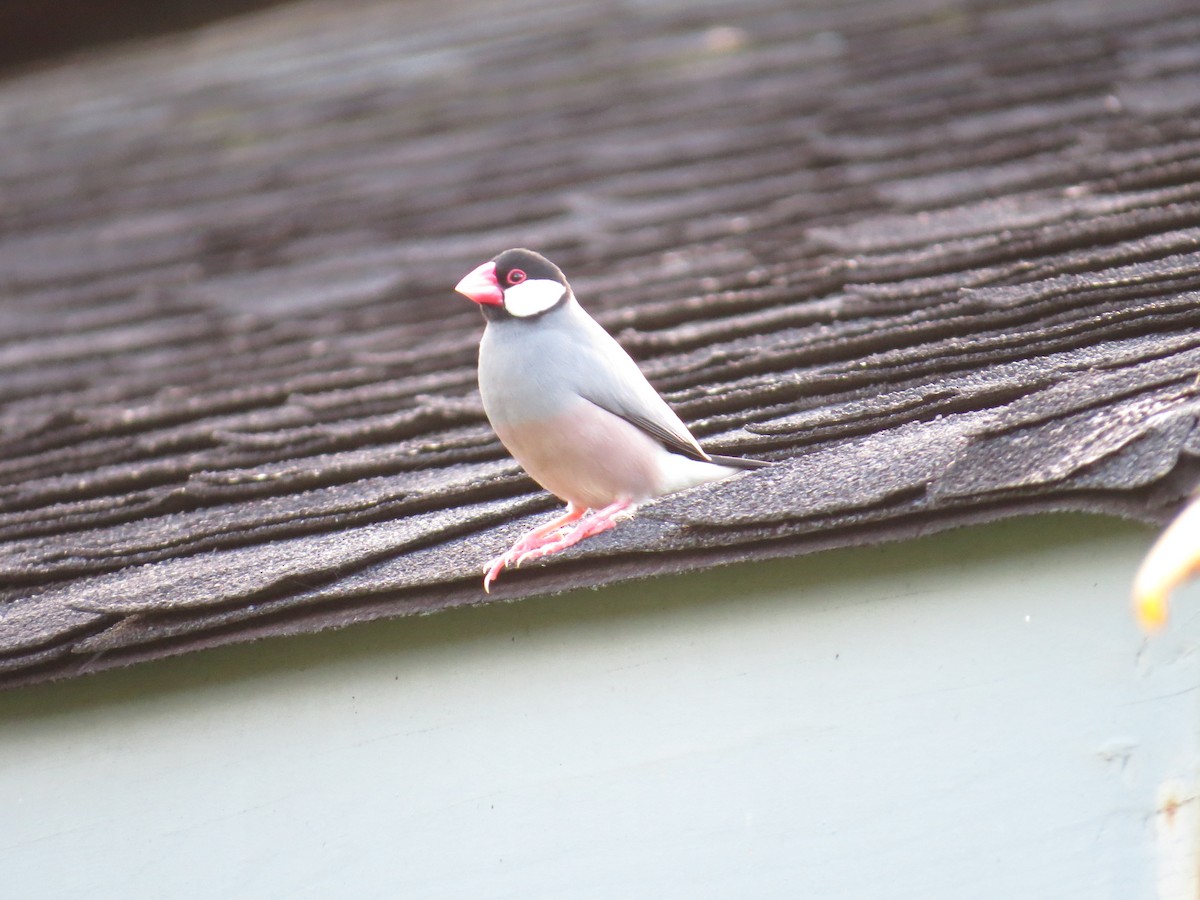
588	457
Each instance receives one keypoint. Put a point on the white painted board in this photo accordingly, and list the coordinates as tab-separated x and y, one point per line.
969	715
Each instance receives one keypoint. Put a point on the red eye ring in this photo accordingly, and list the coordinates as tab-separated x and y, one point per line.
515	276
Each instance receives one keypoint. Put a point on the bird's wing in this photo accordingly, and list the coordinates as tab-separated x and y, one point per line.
609	378
658	430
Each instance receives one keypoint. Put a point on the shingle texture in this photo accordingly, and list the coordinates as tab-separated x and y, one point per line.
939	260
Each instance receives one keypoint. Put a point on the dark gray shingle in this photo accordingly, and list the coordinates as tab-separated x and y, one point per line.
938	260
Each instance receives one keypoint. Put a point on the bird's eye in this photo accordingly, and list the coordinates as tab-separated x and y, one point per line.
515	276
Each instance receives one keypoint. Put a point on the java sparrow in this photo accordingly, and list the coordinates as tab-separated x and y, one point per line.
573	408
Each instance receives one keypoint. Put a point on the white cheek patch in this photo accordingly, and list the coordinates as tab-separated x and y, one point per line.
532	296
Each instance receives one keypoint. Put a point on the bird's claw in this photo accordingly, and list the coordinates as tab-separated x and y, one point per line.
517	554
559	543
491	572
560	534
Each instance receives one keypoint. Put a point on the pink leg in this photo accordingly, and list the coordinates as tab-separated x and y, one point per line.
598	521
531	540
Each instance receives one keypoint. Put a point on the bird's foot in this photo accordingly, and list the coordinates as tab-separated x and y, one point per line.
552	537
528	542
599	521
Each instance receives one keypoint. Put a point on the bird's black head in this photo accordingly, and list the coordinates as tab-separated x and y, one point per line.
518	283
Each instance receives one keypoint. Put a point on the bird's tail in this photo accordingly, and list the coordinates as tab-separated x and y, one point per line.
738	462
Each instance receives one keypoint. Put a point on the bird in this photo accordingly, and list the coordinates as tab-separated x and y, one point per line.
573	408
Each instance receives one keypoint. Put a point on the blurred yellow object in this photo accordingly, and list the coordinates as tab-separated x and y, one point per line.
1173	559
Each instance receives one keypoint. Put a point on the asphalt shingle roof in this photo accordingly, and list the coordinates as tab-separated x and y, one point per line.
938	260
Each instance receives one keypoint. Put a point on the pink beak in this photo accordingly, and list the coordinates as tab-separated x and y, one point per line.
480	285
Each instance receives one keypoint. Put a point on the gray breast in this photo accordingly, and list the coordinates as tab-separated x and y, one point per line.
529	369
